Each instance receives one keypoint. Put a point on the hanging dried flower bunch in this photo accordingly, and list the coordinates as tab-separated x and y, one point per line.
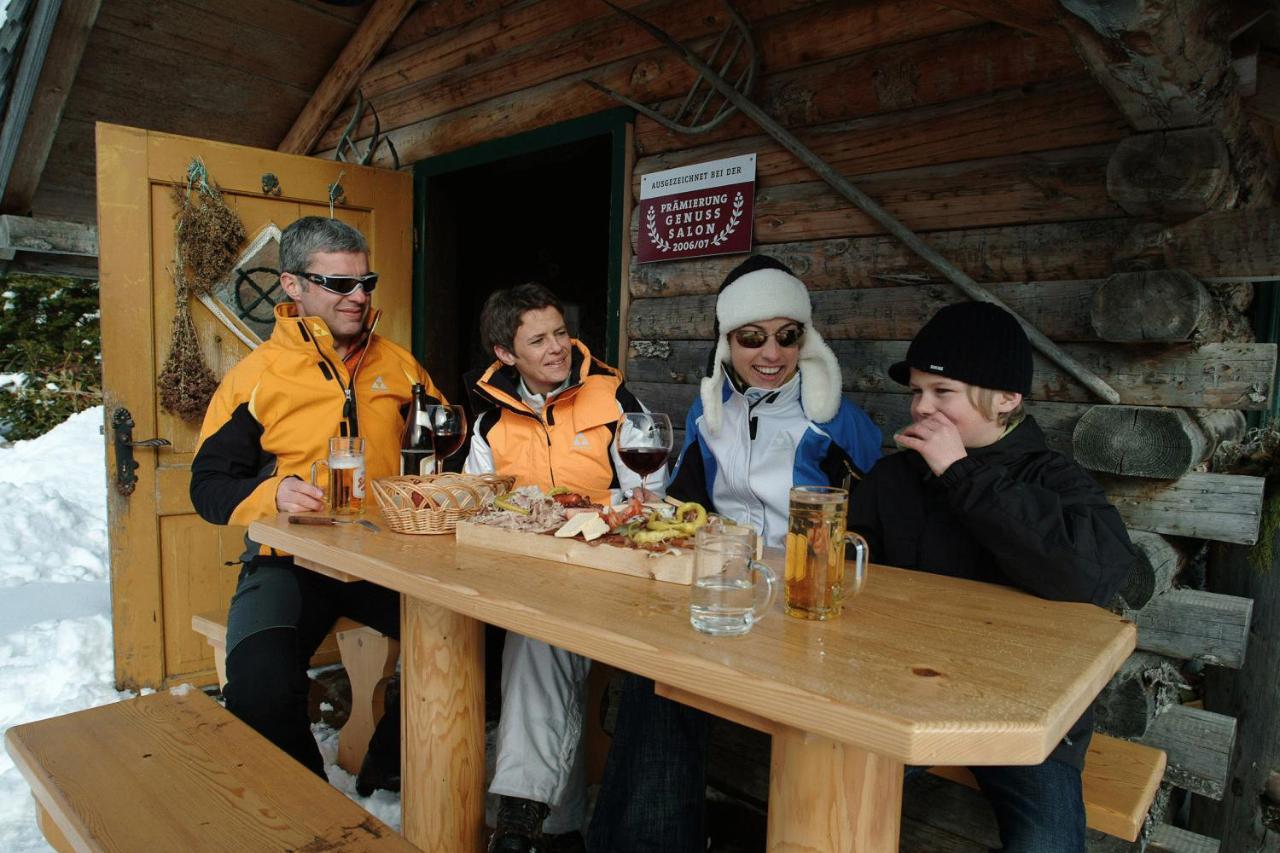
186	384
209	234
207	241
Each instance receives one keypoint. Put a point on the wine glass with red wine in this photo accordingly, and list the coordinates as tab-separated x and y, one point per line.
643	441
449	431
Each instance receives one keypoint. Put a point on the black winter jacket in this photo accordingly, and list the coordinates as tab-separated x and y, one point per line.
1013	513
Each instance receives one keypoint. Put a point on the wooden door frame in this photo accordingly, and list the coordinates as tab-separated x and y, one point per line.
617	124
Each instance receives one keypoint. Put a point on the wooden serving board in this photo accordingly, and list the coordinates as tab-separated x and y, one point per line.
670	568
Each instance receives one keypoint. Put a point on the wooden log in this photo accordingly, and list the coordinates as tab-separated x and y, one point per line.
1194	625
1244	819
1210	376
1059	309
1159	305
1034	16
1046	187
1170	839
22	233
1199	744
1144	686
1171	174
1166	65
983	60
380	21
428	20
1142	441
1158	566
1218	247
1223	507
1062	114
1051	251
945	68
534	44
1241	244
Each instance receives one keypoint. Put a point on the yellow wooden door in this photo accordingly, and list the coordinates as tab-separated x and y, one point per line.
167	563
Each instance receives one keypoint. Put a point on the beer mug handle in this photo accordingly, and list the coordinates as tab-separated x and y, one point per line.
770	579
315	465
861	556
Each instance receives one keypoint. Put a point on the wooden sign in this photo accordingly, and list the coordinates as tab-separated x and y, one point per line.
697	210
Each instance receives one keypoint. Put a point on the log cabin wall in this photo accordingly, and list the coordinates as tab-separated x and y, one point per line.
999	144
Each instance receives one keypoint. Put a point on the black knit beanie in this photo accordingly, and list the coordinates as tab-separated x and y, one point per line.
973	342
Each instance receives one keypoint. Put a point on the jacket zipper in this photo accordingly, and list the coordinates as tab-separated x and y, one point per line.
348	389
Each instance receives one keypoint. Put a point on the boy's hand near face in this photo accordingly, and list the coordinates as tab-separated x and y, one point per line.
936	439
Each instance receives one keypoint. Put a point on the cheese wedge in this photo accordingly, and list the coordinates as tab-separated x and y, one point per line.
594	528
589	524
574	525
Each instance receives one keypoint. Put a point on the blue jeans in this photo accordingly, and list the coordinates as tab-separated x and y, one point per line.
1038	809
653	796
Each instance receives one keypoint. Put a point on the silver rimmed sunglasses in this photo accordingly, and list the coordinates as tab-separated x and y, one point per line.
342	284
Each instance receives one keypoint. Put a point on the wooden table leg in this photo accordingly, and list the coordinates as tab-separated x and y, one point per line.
828	796
442	685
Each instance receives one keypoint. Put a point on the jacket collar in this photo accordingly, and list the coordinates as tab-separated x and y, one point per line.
307	332
499	385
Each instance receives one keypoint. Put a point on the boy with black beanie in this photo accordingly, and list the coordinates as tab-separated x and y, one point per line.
977	494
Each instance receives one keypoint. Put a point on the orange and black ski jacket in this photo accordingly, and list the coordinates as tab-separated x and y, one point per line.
569	443
274	413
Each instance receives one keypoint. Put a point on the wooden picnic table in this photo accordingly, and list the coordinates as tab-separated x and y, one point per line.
920	669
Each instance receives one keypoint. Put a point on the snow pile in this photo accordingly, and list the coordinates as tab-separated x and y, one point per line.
54	492
55	622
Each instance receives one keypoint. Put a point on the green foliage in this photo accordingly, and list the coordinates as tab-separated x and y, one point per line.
49	332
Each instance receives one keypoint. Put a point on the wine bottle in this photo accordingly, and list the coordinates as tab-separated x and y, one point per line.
417	446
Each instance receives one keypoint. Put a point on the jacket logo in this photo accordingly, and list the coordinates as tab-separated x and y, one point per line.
378	384
318	330
581	440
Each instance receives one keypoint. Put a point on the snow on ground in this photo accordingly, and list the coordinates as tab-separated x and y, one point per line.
55	606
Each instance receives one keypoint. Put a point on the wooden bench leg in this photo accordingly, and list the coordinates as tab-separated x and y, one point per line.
219	660
52	833
370	659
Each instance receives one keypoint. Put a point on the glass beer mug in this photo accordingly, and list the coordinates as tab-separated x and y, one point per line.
344	480
818	578
731	590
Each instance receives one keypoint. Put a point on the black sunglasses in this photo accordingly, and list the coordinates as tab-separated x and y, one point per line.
787	337
342	284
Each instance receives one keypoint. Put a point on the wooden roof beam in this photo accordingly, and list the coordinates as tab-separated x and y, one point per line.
1168	65
379	24
62	62
47	236
1032	16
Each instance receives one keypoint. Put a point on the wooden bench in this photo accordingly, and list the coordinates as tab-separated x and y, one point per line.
368	656
176	771
1120	782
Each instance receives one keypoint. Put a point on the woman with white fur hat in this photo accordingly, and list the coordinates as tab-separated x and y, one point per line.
770	415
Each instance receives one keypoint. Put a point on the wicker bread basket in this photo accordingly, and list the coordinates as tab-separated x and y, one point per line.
434	503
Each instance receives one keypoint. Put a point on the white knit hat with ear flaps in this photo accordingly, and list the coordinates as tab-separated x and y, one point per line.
759	289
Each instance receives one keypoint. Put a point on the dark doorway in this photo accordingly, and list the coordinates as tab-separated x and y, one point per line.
547	211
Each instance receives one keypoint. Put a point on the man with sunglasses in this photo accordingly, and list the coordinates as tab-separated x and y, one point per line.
769	416
323	373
